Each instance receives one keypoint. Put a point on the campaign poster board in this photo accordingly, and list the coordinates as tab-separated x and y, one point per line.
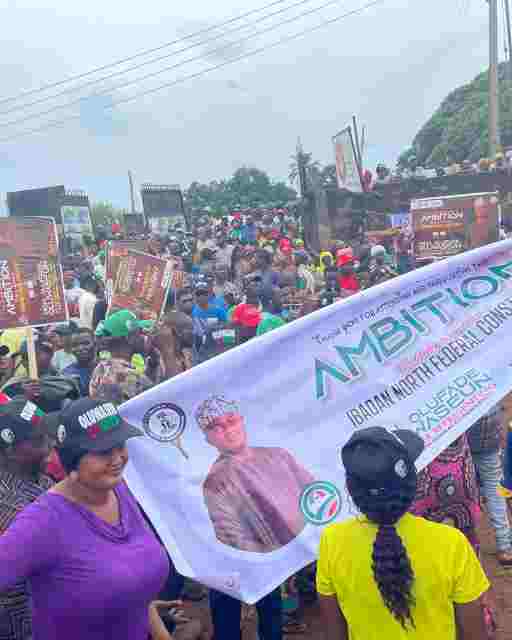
31	281
447	226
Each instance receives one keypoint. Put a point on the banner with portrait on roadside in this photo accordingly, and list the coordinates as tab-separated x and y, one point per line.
348	171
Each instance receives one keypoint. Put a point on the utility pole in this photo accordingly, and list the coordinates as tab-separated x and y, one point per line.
301	169
132	194
509	39
357	143
494	134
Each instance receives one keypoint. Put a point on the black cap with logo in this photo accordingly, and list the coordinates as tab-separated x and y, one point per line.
92	424
19	420
382	459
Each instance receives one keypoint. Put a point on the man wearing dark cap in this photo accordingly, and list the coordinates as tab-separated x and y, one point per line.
24	449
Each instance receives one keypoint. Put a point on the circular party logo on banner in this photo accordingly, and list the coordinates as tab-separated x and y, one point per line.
165	422
320	503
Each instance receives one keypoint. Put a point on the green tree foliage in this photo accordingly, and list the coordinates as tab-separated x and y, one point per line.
306	160
104	213
247	188
328	176
458	129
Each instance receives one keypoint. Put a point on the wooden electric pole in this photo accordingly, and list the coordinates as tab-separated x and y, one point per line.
132	193
509	40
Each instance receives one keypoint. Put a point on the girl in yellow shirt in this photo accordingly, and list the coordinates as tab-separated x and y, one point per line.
389	575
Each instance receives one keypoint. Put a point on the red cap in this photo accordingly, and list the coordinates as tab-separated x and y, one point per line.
246	315
344	259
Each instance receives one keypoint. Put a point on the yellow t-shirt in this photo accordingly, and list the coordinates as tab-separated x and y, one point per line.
446	571
13	338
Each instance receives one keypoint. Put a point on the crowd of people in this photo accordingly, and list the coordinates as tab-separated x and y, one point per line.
500	163
78	556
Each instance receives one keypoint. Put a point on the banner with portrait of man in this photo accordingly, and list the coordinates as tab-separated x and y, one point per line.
239	465
348	172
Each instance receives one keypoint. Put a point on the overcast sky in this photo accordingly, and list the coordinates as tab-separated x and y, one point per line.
391	65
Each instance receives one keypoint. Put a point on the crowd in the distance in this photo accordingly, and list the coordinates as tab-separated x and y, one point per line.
500	163
78	556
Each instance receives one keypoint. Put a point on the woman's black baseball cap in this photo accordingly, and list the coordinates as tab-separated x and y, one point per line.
381	459
93	425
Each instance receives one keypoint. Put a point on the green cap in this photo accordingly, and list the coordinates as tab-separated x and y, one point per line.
269	322
120	324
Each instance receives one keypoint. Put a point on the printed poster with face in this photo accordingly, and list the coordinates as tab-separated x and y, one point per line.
31	282
239	465
141	285
117	249
348	172
449	225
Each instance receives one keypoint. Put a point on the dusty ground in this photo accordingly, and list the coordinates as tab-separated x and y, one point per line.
500	578
502	583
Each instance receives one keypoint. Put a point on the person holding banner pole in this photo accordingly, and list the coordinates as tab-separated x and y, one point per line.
377	575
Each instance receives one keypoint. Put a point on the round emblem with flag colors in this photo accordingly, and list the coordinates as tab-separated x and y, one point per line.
164	422
320	503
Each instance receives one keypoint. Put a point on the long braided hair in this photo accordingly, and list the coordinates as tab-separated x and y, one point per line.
392	568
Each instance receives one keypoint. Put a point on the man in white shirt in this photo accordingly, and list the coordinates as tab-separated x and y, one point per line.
87	301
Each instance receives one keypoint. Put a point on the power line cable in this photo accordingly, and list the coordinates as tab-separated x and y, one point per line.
22	107
79	76
136	96
196	58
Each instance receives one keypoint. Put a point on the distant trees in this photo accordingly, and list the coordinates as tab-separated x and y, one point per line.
458	129
249	187
104	213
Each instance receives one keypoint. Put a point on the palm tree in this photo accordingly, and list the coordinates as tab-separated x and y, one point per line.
305	160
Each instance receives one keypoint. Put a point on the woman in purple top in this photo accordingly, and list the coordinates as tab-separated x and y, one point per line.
93	564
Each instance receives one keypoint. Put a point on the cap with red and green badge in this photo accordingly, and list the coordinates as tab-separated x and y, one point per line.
19	419
94	425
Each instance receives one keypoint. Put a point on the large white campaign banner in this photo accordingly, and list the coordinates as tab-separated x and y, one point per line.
240	467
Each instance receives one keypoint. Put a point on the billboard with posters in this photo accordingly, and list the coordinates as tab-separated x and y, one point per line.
163	207
141	285
163	225
348	172
31	283
76	222
449	225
